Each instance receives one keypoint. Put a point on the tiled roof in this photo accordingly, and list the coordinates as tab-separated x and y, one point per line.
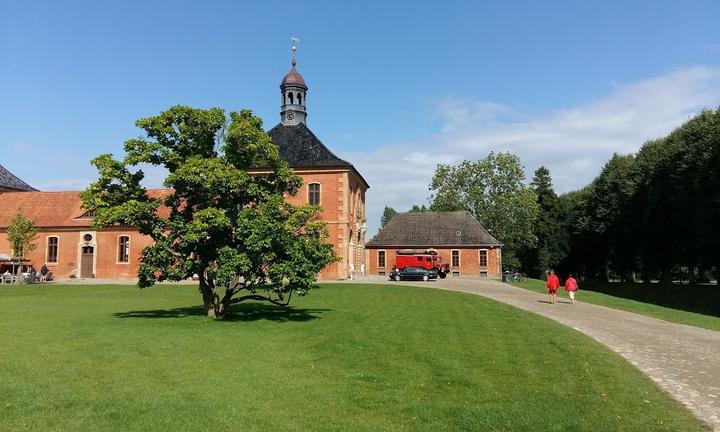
300	148
53	209
427	229
10	181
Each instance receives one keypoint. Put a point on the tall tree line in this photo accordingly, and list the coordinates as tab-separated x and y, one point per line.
654	215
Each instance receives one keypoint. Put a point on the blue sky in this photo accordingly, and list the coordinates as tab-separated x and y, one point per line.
395	87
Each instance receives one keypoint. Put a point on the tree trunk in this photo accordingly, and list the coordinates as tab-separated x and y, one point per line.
208	297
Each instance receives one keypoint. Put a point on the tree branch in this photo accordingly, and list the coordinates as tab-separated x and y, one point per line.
259	297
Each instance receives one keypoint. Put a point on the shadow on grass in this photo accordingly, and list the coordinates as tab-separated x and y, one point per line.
702	299
241	312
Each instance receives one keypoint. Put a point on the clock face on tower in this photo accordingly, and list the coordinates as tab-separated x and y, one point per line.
290	116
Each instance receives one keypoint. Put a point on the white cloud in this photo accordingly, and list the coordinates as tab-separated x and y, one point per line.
573	143
460	113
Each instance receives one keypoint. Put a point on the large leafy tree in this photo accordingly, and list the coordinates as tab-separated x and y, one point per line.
607	217
493	191
228	221
549	228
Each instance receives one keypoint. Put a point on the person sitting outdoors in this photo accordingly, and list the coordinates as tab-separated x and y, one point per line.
32	273
45	272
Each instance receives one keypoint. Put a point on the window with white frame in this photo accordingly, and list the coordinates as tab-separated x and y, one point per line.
455	260
123	249
314	194
52	249
483	257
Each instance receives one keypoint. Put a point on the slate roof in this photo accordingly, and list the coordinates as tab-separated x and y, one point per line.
9	181
302	149
428	229
55	209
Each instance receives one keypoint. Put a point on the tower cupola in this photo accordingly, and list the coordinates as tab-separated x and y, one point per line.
294	91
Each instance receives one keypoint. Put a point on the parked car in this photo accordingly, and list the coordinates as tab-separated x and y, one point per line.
413	273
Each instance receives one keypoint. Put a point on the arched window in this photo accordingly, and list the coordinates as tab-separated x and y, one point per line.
291	98
314	194
52	249
299	95
123	249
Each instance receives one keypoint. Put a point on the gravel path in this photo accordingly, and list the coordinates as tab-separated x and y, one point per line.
683	360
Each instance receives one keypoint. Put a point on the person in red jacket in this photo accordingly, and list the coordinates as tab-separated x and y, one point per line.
571	286
553	283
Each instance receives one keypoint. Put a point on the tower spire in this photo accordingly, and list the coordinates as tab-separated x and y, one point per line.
293	90
294	48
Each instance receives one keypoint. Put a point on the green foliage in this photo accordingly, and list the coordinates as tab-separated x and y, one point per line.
388	214
654	215
228	222
419	209
21	233
549	228
492	190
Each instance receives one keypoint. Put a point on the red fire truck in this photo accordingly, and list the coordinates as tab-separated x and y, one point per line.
427	259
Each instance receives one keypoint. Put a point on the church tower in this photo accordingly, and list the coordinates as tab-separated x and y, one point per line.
294	91
331	183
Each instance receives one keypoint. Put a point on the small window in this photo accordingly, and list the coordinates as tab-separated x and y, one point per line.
483	274
291	99
52	249
455	258
456	274
381	259
299	96
314	194
419	258
483	258
123	249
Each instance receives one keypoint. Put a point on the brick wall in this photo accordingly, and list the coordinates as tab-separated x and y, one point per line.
69	244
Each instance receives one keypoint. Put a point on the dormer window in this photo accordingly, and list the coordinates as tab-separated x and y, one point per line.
88	214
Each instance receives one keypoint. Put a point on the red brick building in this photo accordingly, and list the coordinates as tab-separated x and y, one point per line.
65	241
458	237
70	248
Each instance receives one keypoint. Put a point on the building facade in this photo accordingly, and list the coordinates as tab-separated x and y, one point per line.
70	248
460	240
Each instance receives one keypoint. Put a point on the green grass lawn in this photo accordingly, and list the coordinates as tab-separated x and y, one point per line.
346	357
697	306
